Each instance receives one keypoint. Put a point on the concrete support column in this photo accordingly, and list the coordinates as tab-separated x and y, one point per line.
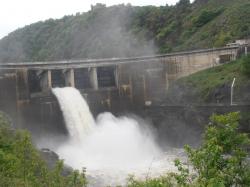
49	79
167	81
131	88
144	88
69	78
93	78
46	83
22	84
245	50
116	76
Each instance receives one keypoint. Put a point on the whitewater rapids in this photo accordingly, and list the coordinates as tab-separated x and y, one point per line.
110	148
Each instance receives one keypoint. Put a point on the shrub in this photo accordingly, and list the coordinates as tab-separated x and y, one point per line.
220	161
21	164
163	181
206	16
246	65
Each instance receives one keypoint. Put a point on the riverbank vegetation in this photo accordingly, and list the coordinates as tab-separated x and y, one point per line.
221	160
125	31
246	65
22	165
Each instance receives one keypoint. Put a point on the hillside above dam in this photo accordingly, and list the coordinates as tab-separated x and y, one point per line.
128	31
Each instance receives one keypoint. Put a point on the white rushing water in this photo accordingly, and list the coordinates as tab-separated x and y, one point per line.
76	113
110	147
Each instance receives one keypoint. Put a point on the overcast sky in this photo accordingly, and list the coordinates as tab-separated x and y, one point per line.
18	13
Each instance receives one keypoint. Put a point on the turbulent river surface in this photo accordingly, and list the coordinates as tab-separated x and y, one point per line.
110	148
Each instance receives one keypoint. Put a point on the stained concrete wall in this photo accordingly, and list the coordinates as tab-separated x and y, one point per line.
138	81
147	82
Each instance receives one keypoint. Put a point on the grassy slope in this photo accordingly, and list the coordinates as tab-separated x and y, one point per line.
206	81
213	85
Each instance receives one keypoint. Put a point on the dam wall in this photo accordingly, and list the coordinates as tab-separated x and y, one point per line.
116	84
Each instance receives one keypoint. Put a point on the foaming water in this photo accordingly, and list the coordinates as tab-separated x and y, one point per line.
110	147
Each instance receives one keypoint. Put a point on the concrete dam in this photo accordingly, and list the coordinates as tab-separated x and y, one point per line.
116	84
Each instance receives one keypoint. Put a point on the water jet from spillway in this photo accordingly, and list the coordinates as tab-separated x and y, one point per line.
108	145
76	113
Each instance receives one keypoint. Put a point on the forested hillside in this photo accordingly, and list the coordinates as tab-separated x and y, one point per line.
125	30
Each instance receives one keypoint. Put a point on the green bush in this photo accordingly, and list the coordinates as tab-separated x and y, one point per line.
164	181
220	160
206	16
21	164
222	39
246	65
221	157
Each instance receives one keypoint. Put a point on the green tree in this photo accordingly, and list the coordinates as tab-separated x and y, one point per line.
221	158
206	16
164	181
21	164
219	162
246	65
29	165
77	179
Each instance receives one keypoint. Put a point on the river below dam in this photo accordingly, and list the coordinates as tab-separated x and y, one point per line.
110	148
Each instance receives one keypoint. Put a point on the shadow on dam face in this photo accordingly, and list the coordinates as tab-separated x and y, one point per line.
115	85
176	125
42	117
172	126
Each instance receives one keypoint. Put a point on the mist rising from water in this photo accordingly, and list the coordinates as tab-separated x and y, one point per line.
108	145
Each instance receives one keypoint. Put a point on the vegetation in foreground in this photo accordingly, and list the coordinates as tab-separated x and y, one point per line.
220	161
22	166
